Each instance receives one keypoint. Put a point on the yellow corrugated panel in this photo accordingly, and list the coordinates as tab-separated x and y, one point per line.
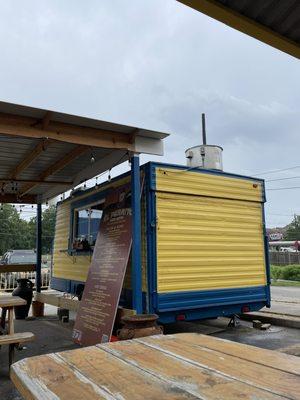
208	243
64	265
76	267
205	184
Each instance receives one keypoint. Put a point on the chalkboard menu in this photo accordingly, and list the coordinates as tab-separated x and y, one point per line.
98	307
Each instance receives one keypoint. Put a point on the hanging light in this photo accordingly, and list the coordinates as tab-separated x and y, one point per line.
92	158
109	176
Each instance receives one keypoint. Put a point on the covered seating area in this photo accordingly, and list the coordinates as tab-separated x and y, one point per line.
44	154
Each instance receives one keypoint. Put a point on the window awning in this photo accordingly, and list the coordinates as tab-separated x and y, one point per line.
45	153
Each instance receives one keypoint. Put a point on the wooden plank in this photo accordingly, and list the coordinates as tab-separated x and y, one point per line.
260	376
270	358
20	337
11	301
68	133
17	268
57	299
128	380
195	380
48	377
94	374
57	166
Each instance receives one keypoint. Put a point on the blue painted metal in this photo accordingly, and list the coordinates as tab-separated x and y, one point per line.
209	312
174	301
39	248
267	260
136	276
151	237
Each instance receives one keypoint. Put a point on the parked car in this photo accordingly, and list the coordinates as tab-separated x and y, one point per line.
8	280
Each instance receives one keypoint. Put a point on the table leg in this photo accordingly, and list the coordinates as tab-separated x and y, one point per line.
3	317
11	329
11	354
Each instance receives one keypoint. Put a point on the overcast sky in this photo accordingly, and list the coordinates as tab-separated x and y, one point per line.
159	64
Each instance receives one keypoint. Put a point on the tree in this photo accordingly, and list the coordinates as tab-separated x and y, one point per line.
13	230
48	228
293	229
17	233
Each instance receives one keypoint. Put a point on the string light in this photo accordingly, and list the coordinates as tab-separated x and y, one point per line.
92	158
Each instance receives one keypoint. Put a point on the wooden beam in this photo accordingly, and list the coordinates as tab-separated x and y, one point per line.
46	120
36	181
13	125
57	166
29	158
15	198
17	268
222	13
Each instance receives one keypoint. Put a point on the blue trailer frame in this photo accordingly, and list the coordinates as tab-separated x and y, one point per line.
189	305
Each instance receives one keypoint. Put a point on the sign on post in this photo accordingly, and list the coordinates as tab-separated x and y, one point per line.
98	307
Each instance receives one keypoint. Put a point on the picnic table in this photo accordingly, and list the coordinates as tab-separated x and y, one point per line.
181	366
7	303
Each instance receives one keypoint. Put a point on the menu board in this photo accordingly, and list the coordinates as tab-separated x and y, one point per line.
98	307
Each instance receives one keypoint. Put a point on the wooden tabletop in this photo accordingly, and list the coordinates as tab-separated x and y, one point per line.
11	301
183	366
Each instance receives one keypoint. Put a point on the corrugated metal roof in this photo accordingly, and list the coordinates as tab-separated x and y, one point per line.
282	17
78	168
275	22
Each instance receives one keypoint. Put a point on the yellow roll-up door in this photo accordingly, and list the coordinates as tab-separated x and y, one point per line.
207	242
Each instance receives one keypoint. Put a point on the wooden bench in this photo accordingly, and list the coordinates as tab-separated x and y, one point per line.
12	339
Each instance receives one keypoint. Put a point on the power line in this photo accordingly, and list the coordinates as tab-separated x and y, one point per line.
285	188
277	170
282	179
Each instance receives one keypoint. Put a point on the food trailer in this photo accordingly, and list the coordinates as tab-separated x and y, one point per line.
204	247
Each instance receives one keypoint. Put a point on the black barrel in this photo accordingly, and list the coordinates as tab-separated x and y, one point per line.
25	291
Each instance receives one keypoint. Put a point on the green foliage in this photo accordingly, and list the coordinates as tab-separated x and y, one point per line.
293	229
17	233
288	272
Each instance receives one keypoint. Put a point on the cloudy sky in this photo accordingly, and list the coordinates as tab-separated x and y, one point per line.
159	64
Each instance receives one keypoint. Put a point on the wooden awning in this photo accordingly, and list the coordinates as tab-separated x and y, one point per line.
45	153
274	22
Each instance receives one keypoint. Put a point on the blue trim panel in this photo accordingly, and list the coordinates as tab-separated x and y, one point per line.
267	259
175	301
209	312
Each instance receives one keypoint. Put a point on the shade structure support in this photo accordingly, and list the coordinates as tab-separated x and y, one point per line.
136	275
39	248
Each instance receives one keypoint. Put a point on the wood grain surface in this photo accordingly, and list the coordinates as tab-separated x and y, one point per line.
182	366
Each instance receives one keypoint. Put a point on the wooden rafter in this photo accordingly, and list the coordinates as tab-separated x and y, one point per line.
54	168
29	158
13	125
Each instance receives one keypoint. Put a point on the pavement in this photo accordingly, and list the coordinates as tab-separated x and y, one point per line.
285	300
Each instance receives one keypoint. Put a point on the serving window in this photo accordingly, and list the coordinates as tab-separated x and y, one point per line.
86	221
